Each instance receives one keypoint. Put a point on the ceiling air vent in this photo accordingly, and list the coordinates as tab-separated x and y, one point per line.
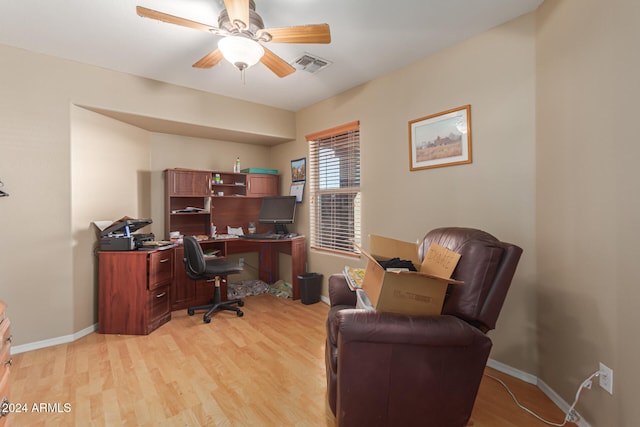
310	63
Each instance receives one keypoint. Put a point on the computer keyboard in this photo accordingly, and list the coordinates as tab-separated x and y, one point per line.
264	236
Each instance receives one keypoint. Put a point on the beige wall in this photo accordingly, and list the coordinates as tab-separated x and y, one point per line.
105	185
495	73
38	268
587	201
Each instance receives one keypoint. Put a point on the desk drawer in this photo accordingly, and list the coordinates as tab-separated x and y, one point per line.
159	302
160	268
5	364
4	397
5	344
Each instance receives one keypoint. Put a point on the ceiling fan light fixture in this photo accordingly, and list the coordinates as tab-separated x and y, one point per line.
241	51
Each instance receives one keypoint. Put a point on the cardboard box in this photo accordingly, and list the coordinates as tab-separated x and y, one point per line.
408	292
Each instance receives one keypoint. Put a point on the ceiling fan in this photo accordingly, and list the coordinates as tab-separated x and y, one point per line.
243	36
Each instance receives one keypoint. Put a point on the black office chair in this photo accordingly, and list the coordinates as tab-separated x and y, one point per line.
198	268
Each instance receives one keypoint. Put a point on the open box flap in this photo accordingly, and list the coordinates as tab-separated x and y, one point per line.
385	248
439	261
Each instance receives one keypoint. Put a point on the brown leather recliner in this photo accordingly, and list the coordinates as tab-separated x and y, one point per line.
387	369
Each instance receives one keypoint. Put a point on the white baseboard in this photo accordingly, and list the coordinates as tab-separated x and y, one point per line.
53	341
532	379
513	372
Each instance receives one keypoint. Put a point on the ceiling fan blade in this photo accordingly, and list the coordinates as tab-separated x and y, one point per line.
276	64
318	33
238	10
209	60
165	17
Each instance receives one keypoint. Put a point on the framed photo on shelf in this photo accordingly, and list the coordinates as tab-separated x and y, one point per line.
299	169
442	139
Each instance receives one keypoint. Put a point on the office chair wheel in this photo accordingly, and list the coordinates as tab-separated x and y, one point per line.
240	303
190	312
239	313
206	319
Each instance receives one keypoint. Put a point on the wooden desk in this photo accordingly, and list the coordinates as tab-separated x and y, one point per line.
186	292
269	251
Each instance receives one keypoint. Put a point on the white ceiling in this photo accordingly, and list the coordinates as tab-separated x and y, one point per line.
369	38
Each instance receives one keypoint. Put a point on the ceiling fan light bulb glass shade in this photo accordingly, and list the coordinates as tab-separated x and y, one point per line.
240	51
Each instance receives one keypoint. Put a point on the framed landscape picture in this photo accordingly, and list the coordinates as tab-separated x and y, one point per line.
442	139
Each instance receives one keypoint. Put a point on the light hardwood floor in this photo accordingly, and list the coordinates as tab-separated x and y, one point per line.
264	369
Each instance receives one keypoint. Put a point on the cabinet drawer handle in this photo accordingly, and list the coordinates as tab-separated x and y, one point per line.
161	295
164	260
8	362
4	407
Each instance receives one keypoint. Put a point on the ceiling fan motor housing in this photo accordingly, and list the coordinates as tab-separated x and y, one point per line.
255	23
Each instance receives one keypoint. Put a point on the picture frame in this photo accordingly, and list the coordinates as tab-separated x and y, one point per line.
299	169
297	189
441	139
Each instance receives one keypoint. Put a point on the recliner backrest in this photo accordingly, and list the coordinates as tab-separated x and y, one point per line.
486	266
194	262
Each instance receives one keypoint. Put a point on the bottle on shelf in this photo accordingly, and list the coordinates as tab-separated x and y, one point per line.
236	165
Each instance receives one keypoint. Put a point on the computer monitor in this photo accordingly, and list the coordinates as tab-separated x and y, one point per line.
278	210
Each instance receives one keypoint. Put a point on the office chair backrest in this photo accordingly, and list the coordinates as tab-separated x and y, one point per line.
193	258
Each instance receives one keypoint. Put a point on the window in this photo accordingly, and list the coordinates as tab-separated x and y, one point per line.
334	181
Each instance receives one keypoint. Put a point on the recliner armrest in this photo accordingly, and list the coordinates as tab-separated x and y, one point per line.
387	328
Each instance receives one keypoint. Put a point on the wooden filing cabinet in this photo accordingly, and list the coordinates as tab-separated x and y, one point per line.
5	364
134	295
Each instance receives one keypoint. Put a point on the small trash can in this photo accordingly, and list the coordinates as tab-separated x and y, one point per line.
310	287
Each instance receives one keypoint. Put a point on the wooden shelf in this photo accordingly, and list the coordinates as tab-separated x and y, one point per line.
189	213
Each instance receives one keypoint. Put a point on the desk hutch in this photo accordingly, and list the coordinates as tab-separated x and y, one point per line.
139	289
233	200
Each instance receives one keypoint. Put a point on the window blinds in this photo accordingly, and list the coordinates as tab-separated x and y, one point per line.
334	181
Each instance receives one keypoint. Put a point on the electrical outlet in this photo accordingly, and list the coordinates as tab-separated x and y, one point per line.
606	378
573	416
241	262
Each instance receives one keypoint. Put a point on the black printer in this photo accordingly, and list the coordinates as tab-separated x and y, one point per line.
120	235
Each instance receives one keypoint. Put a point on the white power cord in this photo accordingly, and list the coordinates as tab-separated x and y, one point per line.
569	416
